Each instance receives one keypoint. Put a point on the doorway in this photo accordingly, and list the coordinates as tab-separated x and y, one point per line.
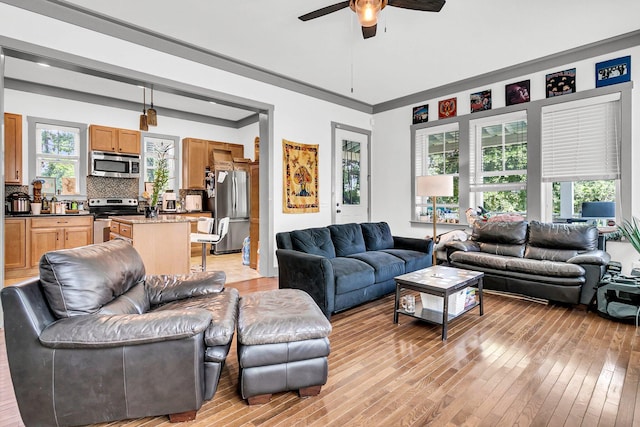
351	159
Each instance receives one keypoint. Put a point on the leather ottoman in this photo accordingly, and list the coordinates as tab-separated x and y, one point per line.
283	344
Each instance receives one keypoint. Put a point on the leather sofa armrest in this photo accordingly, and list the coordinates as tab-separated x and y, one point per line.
412	243
170	287
103	331
310	273
597	257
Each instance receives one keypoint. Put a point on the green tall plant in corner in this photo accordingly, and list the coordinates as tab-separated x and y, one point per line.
631	231
161	174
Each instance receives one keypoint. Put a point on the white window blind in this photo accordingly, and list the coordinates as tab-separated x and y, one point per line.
581	140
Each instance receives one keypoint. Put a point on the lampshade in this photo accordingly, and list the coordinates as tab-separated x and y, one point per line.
434	185
367	11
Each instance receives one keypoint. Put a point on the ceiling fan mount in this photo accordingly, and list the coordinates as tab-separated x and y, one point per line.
367	11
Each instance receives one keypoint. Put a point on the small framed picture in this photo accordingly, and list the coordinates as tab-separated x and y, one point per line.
613	71
447	108
148	187
481	101
48	185
421	114
561	83
517	93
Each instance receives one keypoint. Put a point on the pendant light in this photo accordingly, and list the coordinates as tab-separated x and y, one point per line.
143	117
367	11
152	115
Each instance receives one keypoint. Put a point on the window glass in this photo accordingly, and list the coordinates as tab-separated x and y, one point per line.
437	153
350	172
153	145
57	151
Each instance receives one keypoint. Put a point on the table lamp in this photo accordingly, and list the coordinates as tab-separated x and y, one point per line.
434	186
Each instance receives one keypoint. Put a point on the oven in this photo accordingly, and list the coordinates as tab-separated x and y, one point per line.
102	209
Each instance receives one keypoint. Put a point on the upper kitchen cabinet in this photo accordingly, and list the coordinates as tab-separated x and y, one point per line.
104	138
13	148
194	162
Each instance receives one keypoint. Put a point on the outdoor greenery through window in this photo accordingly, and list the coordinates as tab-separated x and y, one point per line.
499	166
57	151
153	146
437	152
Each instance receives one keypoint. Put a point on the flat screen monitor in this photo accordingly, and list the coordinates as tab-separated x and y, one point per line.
598	210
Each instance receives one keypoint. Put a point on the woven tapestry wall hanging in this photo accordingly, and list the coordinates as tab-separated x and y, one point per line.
300	177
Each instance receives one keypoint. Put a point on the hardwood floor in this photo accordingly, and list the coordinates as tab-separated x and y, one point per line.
522	363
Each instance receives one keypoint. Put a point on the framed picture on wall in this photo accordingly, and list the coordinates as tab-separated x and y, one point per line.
613	71
48	185
447	108
561	83
517	93
421	114
481	101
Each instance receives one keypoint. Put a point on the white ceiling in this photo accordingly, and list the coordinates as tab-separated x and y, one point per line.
412	52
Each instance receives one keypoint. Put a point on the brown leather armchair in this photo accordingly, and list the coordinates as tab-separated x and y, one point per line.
94	339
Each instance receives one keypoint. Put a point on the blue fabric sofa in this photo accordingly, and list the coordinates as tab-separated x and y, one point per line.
344	265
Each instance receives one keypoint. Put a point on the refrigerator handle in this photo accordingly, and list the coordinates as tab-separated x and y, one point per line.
235	195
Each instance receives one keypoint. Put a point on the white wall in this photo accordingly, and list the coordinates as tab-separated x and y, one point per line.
392	151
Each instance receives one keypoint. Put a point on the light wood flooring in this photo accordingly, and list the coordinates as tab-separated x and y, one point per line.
521	364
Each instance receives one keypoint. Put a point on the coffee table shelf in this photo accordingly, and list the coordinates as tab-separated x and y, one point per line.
440	281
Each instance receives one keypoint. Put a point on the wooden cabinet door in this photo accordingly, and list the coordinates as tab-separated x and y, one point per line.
103	138
77	236
254	214
13	148
194	163
44	240
128	141
15	243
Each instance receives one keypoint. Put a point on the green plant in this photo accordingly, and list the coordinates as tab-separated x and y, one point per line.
160	175
631	231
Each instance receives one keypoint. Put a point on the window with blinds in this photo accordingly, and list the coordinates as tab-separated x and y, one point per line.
581	140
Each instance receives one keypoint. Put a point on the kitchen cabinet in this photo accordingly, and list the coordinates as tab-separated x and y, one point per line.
13	148
104	138
163	242
199	154
60	232
15	243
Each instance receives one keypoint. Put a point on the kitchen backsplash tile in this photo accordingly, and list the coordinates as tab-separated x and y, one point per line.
100	187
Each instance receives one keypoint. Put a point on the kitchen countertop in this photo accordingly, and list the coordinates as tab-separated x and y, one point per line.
30	215
162	218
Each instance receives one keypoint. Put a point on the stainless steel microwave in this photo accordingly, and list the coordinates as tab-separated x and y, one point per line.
114	165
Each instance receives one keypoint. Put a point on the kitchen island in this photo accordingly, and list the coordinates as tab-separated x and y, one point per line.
162	242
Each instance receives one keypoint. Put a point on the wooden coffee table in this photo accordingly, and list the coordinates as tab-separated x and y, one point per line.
440	281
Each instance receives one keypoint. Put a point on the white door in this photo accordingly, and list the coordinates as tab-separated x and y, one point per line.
351	175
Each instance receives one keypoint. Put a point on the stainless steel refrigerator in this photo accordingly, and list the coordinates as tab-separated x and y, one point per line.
232	200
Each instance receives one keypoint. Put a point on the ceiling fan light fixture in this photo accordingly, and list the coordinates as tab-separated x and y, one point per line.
367	11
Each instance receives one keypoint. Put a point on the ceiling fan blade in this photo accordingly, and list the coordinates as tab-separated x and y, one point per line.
368	32
324	11
424	5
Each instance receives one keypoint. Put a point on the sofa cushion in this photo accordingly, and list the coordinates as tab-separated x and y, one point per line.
134	301
351	274
385	265
549	254
377	236
81	280
496	262
563	236
347	239
502	249
315	241
413	260
514	233
545	268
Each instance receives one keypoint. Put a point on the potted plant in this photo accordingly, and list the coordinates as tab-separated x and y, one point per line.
160	180
631	231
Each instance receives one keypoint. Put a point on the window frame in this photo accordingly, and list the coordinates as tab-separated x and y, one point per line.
83	158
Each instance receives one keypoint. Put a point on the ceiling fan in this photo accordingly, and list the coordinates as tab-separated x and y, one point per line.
367	11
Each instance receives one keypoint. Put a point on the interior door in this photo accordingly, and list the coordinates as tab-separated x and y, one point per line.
351	175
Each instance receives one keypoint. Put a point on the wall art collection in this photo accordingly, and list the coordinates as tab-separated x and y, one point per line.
559	83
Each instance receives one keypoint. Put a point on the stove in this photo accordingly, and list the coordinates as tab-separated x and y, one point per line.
104	208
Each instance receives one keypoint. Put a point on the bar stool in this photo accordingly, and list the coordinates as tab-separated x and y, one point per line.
205	236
